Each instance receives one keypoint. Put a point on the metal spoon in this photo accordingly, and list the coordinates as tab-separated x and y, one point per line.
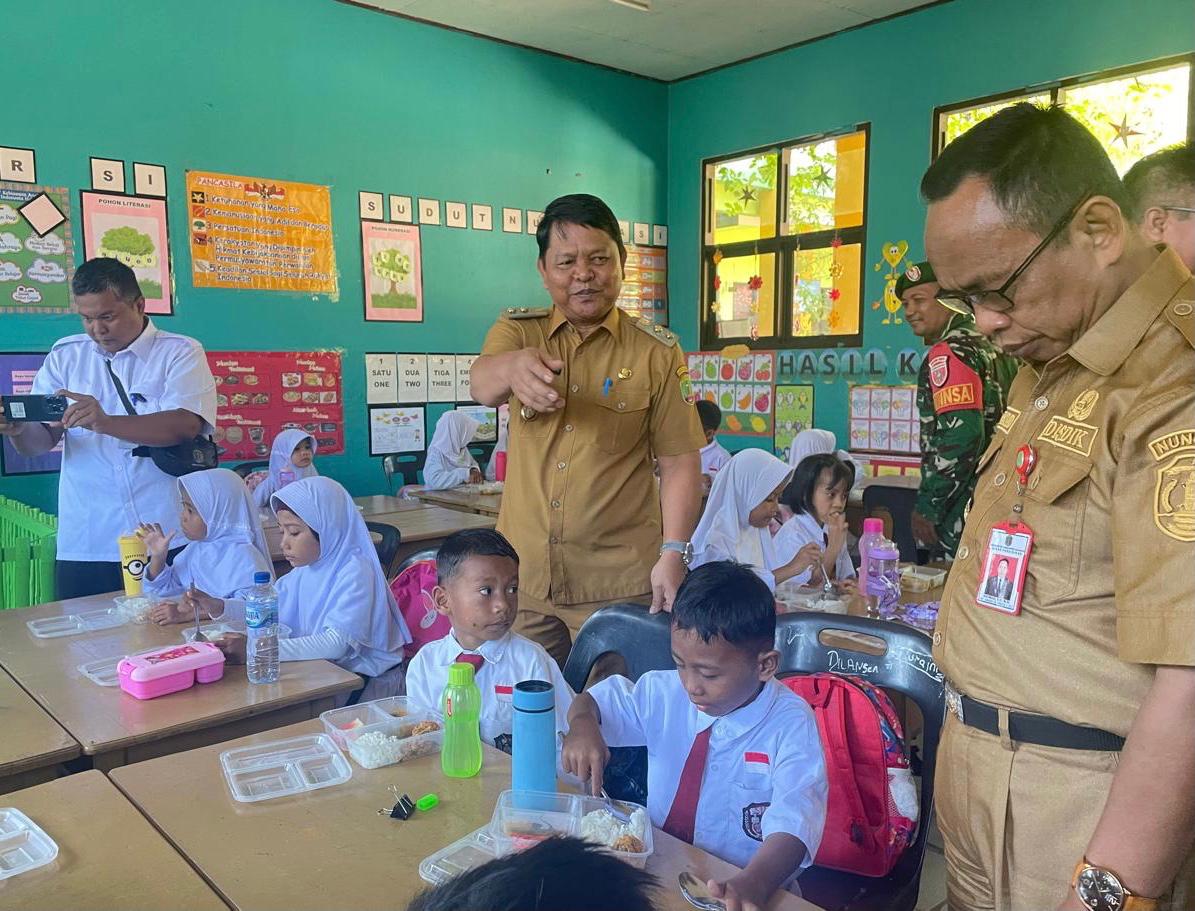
614	810
696	893
199	636
827	586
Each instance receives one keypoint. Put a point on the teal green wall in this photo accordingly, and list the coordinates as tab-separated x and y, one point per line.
321	92
892	75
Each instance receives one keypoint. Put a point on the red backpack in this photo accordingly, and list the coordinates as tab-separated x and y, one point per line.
868	771
412	590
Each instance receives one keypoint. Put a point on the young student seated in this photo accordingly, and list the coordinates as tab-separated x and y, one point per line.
291	456
734	761
335	600
449	462
742	503
556	874
817	497
478	591
227	544
713	455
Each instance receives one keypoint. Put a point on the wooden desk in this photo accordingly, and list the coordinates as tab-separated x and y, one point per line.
907	481
379	503
109	856
465	499
330	848
114	728
31	743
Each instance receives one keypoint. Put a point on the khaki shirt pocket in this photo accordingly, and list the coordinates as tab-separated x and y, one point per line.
621	419
1055	505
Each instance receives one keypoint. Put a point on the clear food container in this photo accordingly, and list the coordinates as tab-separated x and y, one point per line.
284	767
102	672
372	746
74	624
338	722
607	831
24	846
461	856
522	819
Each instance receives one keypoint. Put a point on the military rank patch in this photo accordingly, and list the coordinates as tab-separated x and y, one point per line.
1174	488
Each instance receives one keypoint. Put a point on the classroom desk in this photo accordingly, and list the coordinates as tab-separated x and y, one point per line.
465	499
330	848
114	728
109	856
379	503
32	744
907	481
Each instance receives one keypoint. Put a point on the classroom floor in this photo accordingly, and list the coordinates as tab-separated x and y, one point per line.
933	875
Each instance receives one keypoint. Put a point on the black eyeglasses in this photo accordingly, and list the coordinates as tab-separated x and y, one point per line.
1187	209
997	300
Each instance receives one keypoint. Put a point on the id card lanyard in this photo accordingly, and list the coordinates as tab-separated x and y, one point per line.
1006	560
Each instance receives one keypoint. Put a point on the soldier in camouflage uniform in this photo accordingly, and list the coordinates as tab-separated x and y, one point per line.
961	393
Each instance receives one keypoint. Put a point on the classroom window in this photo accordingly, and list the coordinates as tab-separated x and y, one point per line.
1132	111
782	261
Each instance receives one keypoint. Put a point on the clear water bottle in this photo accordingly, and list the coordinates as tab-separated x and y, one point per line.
882	582
460	704
261	630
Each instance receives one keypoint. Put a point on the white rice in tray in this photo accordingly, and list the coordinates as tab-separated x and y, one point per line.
601	827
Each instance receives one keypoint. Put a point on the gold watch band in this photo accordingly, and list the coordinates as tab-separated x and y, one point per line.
1131	902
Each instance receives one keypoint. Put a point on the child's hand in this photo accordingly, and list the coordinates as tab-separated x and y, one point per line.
233	647
475	476
157	542
737	894
169	612
194	599
836	532
585	753
848	587
808	555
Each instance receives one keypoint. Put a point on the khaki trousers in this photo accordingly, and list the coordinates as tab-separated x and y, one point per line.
1016	818
555	625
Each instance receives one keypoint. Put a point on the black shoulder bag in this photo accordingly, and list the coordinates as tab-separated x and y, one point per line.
196	454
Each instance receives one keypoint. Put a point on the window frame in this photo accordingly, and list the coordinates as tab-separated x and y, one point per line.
1055	86
783	246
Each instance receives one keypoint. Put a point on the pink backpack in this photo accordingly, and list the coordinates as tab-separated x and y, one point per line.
412	589
862	740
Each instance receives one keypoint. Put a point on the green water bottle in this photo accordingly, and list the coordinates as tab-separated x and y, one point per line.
460	705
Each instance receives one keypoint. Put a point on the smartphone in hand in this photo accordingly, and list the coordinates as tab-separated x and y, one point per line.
46	409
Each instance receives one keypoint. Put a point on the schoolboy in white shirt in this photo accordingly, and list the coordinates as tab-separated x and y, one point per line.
713	453
478	590
734	763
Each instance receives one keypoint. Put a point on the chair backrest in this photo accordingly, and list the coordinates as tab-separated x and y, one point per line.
643	639
482	452
416	557
387	547
899	502
406	464
247	468
906	667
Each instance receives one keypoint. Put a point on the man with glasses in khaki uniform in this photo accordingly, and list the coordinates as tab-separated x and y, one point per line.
1066	773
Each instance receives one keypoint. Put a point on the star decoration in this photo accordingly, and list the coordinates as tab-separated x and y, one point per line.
717	282
1123	131
835	294
746	195
822	178
836	242
755	283
836	270
833	322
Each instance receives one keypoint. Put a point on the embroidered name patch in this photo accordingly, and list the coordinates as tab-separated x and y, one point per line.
957	396
1070	435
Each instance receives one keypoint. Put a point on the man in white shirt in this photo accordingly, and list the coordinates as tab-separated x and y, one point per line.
104	491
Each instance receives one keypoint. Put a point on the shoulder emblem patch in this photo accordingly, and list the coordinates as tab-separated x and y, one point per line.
1174	486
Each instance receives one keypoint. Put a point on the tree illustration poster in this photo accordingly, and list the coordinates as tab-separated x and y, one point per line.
133	230
393	272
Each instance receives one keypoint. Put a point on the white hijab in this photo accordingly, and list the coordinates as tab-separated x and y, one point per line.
448	459
810	442
282	469
724	532
235	548
344	589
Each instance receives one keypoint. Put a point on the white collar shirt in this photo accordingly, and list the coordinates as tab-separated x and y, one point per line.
103	490
509	660
713	457
804	529
764	772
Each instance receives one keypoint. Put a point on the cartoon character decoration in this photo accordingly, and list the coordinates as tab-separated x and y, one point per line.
893	253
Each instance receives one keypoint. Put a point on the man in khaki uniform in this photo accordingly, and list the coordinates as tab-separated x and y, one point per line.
594	395
1037	788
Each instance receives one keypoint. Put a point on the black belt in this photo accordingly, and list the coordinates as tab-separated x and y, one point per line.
1039	729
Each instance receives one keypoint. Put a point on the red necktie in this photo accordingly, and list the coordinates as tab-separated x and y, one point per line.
476	660
683	816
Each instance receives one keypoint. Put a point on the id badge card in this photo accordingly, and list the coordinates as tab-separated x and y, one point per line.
1002	576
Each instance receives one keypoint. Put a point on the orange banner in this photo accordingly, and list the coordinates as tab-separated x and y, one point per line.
268	235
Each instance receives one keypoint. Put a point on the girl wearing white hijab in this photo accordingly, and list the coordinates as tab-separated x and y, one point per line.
288	463
810	442
335	600
742	503
227	544
449	462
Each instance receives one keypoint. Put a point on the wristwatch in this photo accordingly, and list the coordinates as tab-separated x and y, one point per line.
1099	889
684	548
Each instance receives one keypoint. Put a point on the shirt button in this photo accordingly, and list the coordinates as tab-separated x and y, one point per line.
622	405
555	504
1041	403
575	387
964	552
568	428
1183	308
1000	478
562	465
937	638
553	540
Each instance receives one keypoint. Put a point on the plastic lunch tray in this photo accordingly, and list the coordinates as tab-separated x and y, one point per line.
215	630
284	767
23	844
103	671
73	624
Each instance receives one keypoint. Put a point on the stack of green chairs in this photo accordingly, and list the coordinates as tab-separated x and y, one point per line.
28	541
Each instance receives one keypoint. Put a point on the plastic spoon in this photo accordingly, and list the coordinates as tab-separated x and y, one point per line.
199	636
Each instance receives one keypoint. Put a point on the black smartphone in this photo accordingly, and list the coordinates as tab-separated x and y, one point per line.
47	409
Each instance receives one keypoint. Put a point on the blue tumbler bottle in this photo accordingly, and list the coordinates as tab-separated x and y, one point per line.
533	750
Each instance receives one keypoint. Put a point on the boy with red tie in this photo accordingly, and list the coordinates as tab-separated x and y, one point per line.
734	760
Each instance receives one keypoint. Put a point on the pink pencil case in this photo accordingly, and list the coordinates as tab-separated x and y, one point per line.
168	670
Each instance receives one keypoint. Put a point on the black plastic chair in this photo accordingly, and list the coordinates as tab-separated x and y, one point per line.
644	641
407	464
247	468
906	667
482	452
388	546
412	559
899	503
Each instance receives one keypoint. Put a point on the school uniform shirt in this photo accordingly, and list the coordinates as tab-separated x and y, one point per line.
764	772
103	490
449	462
804	529
509	660
713	457
282	469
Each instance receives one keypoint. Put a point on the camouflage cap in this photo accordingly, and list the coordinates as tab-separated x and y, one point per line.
916	274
